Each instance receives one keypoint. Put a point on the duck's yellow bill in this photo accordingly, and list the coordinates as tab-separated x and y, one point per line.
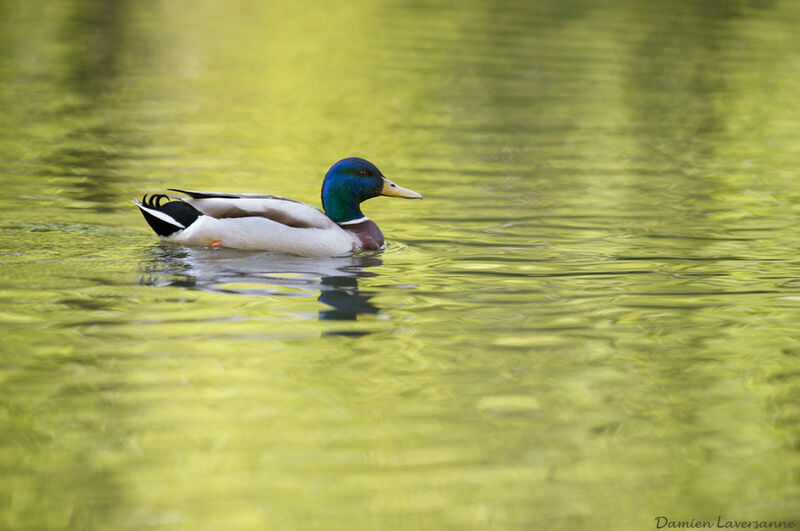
391	189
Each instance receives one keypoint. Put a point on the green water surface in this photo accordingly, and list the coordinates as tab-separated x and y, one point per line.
591	320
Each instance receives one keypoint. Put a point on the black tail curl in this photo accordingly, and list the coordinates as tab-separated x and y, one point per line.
182	213
154	201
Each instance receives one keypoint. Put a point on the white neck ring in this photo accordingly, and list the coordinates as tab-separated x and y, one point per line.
354	221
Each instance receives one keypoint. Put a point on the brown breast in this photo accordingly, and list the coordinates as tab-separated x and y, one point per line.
368	233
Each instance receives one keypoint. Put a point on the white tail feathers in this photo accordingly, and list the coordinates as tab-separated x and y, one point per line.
160	215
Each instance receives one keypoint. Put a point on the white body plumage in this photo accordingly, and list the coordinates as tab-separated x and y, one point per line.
260	223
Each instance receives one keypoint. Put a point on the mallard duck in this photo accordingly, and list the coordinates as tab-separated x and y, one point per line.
270	223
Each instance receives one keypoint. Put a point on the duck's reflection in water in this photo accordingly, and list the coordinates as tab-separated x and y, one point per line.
342	294
334	281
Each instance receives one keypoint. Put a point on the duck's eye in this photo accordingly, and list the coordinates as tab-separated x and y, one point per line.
363	173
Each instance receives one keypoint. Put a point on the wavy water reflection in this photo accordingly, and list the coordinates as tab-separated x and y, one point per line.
333	280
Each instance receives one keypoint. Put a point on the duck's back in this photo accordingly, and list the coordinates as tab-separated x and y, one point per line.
285	211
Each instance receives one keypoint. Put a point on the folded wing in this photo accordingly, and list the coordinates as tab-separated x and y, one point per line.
285	211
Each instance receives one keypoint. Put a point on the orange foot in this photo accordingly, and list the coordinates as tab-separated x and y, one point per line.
215	244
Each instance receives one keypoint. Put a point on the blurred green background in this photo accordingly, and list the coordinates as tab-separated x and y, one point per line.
588	322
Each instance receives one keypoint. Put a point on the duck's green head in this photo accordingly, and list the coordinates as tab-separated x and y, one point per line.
351	181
